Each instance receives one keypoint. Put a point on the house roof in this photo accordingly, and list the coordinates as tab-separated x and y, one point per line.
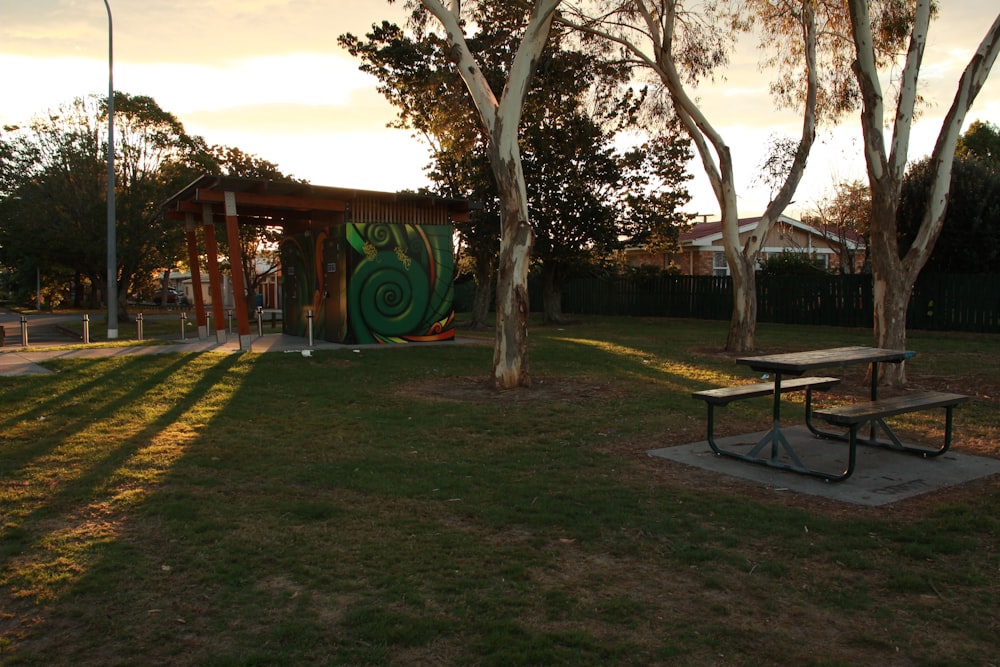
708	233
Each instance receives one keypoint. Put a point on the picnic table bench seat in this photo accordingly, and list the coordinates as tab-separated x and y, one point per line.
856	415
723	396
726	395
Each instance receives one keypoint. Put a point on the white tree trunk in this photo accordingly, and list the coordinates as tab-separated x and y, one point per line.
894	276
501	118
658	19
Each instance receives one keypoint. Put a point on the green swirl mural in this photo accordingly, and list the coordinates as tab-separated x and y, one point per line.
400	286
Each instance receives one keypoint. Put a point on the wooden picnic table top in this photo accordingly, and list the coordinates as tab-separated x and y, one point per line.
800	362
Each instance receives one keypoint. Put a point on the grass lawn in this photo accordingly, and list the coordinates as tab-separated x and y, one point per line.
387	507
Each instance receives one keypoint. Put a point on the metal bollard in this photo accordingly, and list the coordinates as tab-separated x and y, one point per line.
229	318
310	319
24	331
138	326
260	321
184	317
86	329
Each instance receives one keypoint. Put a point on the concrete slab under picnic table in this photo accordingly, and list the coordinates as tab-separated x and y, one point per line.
880	476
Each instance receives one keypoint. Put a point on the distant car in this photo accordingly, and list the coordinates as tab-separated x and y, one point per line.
173	296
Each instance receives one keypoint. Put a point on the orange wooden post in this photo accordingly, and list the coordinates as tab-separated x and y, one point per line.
236	269
199	298
214	275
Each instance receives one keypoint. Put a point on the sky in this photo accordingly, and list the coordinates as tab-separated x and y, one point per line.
268	77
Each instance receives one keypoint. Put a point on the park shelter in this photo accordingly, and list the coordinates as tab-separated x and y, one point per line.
357	266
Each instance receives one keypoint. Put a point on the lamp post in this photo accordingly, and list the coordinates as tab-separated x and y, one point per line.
112	241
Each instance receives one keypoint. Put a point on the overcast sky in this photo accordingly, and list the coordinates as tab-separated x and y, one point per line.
267	76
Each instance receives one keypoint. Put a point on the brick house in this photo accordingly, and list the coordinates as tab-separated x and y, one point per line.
702	252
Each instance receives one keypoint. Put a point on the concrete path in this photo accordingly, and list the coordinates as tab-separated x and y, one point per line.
16	360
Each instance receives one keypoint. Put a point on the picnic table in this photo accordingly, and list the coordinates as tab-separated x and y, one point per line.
787	369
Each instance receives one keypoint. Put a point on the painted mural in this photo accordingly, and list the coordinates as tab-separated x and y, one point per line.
400	287
370	283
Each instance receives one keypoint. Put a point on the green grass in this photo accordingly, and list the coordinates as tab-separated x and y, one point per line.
265	509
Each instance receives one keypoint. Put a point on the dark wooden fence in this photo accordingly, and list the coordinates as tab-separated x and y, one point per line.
939	302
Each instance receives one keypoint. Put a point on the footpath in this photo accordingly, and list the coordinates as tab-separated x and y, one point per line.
17	360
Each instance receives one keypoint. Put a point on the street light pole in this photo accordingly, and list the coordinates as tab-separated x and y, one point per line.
112	240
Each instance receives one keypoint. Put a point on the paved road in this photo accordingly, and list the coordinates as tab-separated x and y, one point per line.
42	329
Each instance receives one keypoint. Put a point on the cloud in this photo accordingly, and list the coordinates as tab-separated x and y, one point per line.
361	113
293	78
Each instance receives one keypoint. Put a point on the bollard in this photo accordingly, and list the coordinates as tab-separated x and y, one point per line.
184	317
138	326
24	331
260	321
86	329
229	318
310	318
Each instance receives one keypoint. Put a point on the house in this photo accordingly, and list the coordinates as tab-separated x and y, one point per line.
702	253
357	266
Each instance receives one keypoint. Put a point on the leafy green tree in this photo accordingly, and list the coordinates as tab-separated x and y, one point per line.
55	200
895	273
982	142
970	237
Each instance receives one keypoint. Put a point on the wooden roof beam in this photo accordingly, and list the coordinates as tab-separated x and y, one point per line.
272	201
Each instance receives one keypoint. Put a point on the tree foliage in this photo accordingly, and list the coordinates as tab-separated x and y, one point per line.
55	213
679	43
970	237
893	273
53	197
980	142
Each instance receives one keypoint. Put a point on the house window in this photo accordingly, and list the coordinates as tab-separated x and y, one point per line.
720	267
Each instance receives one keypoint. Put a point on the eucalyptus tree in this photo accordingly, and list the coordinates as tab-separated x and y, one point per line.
894	272
500	115
681	43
